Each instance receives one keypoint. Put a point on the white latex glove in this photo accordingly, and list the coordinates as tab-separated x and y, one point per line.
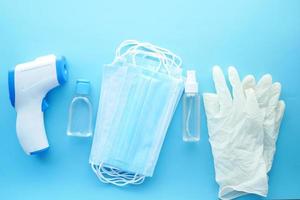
267	95
236	134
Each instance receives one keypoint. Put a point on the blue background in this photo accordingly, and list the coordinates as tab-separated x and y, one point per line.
255	36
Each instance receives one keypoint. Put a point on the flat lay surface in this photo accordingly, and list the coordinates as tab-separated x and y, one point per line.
256	37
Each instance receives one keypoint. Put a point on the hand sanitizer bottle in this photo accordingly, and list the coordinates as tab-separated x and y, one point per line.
191	109
80	111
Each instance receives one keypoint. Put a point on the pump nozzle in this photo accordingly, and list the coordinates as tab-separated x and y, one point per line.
191	85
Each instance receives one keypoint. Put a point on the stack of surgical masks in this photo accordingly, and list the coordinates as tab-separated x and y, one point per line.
243	129
139	94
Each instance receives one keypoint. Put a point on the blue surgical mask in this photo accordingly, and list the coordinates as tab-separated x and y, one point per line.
139	94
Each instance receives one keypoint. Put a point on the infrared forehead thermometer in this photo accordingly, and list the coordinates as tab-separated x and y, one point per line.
28	85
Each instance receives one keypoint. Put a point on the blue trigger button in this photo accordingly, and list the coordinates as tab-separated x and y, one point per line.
45	105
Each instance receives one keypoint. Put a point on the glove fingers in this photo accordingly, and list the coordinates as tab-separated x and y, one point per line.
275	93
264	82
211	104
279	115
221	88
272	104
252	104
270	140
237	90
248	82
263	90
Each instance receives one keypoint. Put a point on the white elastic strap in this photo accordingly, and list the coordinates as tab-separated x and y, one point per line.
125	44
115	176
176	60
172	57
166	60
148	54
134	47
139	49
128	45
168	55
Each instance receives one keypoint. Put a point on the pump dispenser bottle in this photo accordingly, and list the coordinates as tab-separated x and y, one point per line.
191	109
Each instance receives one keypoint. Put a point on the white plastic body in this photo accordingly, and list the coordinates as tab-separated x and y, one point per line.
33	80
191	117
80	117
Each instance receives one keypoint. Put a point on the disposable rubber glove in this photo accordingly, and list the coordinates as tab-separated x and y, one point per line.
267	95
236	134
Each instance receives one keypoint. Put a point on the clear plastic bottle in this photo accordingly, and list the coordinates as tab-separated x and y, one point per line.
191	109
80	111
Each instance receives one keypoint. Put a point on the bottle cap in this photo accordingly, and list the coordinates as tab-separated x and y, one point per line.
191	85
82	86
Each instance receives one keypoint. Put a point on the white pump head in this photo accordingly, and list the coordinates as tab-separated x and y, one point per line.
28	85
191	85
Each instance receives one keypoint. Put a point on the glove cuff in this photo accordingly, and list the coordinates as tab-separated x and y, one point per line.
257	186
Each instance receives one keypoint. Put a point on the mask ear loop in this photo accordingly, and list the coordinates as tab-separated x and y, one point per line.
147	55
148	50
131	46
177	60
136	48
167	58
125	44
170	59
128	45
108	174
